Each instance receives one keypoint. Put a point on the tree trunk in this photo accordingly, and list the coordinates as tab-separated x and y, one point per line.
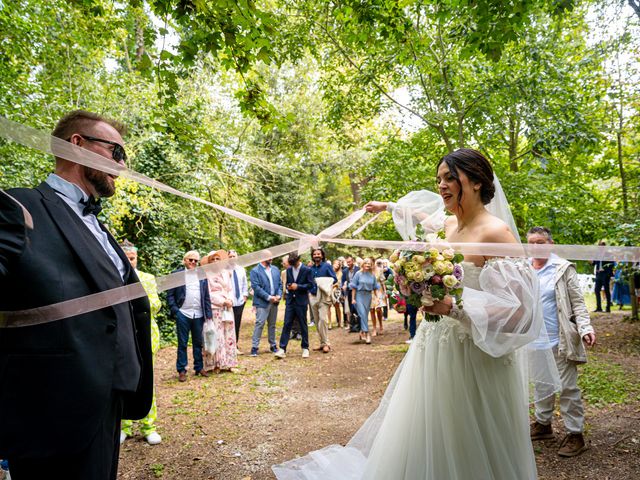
356	186
514	128
140	18
623	179
635	4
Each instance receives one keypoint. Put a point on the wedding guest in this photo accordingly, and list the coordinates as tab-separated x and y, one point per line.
325	278
220	291
148	281
568	325
410	314
363	283
336	295
351	319
240	294
620	295
190	305
267	288
299	283
604	272
388	272
295	328
67	384
379	299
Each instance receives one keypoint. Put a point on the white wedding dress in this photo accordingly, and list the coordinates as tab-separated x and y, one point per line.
451	411
457	406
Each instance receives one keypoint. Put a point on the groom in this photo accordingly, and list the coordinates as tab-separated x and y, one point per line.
299	283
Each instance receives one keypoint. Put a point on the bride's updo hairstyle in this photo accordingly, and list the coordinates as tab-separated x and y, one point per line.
475	166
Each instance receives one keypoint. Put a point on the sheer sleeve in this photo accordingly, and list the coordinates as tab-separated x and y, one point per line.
505	313
420	207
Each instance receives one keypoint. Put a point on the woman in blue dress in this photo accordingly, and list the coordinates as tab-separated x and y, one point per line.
620	288
363	283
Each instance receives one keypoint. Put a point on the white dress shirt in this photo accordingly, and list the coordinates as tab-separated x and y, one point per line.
192	306
72	196
242	283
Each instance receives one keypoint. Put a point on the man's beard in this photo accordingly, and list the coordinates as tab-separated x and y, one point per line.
100	182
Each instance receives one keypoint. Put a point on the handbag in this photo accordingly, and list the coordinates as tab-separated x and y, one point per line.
210	337
227	315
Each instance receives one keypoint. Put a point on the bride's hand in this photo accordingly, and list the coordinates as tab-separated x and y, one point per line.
440	307
375	207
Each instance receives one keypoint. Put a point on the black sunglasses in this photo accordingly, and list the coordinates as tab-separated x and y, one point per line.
118	153
192	260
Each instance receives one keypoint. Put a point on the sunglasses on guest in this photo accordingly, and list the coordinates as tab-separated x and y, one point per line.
192	260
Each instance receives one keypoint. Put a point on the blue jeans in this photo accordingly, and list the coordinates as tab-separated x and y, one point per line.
265	315
184	326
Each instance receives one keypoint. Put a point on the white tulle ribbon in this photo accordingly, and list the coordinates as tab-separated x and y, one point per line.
515	250
44	142
97	301
38	140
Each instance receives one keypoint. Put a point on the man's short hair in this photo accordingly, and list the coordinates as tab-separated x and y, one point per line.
191	253
73	122
127	247
293	259
541	231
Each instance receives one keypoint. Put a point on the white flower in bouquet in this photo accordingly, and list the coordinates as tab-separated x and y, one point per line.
440	267
419	259
426	299
440	258
449	281
433	252
448	254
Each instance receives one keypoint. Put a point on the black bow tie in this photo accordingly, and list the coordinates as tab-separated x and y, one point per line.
91	206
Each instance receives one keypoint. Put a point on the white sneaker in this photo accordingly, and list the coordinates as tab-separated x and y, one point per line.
123	436
310	324
280	353
153	438
305	353
410	341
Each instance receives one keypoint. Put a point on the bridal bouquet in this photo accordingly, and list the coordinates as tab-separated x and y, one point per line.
423	277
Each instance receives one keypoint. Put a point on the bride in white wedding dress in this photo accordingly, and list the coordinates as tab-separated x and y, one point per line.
457	407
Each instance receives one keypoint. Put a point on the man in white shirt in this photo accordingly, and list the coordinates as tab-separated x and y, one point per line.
190	304
240	293
568	325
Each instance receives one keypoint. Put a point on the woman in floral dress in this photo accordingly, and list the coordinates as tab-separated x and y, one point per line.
220	288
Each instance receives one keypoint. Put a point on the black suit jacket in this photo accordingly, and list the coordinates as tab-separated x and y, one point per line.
305	284
56	379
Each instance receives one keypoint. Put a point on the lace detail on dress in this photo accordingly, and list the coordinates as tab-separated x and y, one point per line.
446	330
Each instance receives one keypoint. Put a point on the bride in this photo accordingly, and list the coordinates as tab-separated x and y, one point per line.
457	407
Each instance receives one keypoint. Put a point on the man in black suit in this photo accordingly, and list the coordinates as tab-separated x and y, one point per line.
190	304
66	384
604	272
348	272
298	286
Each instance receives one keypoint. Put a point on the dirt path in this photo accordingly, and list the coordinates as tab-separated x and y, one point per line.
235	426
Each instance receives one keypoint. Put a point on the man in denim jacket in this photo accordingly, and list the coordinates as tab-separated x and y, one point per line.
567	325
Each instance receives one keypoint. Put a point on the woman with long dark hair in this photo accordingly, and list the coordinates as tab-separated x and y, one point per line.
457	407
